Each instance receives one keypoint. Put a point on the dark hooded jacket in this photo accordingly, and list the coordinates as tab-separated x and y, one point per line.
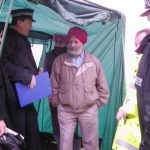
17	58
143	75
50	57
6	96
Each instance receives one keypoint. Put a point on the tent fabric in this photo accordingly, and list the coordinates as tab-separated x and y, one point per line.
80	11
105	40
44	115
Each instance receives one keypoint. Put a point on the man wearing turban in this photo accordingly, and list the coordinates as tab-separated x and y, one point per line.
59	48
79	88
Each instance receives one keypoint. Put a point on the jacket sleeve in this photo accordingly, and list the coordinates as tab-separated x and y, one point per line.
1	99
55	81
15	73
146	66
101	85
48	62
130	102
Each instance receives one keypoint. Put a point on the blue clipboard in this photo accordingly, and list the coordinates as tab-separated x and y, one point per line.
43	89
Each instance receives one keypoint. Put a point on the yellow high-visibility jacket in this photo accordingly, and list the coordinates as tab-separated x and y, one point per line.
128	135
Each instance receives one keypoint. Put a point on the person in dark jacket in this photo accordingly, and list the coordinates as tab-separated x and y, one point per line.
6	95
5	98
2	122
142	85
3	110
1	30
20	66
4	117
59	48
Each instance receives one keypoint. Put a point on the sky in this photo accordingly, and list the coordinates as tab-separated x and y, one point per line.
131	9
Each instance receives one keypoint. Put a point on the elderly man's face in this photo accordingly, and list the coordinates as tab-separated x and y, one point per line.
74	47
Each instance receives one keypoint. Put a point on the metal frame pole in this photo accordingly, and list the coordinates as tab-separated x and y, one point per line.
1	4
6	25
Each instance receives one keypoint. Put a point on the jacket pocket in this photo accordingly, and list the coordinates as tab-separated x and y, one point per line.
64	95
63	89
91	95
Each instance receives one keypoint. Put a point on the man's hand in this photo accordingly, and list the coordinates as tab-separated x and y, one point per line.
41	70
121	114
53	103
2	127
33	82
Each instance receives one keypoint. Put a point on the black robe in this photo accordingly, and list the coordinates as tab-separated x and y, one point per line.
19	64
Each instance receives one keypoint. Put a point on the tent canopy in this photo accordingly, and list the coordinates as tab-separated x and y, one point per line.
105	28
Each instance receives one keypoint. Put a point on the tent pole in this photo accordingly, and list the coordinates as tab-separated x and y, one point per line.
6	25
1	4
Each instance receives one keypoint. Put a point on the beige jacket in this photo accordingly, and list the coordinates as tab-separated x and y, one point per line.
78	88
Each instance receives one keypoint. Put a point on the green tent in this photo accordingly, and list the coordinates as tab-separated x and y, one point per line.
105	28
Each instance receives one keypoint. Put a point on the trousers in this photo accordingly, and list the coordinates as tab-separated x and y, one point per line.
56	130
88	121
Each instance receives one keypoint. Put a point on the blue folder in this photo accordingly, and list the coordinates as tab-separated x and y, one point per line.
43	89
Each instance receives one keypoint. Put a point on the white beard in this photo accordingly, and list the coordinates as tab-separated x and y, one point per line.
76	52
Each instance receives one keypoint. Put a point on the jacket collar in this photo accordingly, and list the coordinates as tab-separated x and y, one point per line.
68	59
